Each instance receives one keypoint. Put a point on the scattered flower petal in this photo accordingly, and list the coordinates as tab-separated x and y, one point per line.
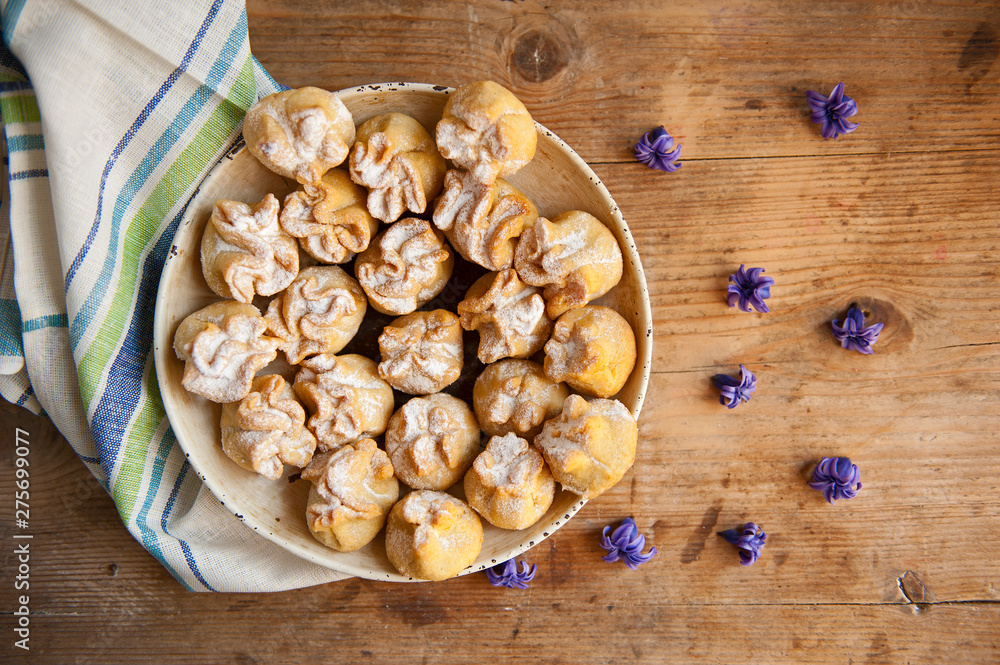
749	288
506	574
656	150
832	112
735	391
836	478
853	334
626	543
750	542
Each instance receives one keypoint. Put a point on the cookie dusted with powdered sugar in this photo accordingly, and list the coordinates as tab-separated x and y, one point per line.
509	484
432	535
299	134
396	159
486	130
509	315
515	396
352	491
265	430
592	349
244	251
223	346
346	398
422	352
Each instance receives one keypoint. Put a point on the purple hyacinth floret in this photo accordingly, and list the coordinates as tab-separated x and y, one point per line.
735	391
853	334
832	112
750	541
656	150
749	288
836	478
506	574
626	543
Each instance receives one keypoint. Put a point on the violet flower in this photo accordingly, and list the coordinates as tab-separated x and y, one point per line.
506	574
656	150
853	334
836	478
750	542
626	543
733	391
833	111
749	288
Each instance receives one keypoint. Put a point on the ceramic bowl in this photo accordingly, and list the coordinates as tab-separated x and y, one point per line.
556	180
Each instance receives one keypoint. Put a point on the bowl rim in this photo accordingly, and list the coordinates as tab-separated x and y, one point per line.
643	361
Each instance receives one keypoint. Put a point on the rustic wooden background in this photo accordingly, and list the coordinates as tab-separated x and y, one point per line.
900	216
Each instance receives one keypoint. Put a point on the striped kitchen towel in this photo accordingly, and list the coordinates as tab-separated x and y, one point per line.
113	112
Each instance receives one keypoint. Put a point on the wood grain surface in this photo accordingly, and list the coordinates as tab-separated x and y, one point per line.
900	217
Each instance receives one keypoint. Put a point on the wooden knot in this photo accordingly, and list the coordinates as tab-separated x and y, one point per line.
896	332
541	48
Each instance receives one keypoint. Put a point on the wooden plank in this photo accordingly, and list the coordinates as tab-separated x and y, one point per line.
727	80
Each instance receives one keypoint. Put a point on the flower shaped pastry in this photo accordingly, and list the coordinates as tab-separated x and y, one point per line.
592	349
750	542
405	267
396	159
347	399
422	352
352	493
509	315
509	484
656	150
265	430
749	288
590	445
483	220
735	391
432	441
487	131
515	396
854	334
319	312
244	252
836	478
506	574
625	543
330	219
574	256
299	134
432	535
223	346
833	112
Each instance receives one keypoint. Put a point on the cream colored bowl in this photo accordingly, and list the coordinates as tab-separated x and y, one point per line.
556	180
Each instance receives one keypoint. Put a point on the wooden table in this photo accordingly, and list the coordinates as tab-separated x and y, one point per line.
900	217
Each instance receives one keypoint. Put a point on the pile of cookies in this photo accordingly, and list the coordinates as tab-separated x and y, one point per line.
403	206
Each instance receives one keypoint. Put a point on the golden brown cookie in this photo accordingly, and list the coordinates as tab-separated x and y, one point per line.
592	349
422	352
515	396
574	256
345	397
396	159
330	219
486	130
353	490
265	430
483	220
432	535
590	445
299	134
509	484
223	346
432	441
405	266
319	312
509	315
244	252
